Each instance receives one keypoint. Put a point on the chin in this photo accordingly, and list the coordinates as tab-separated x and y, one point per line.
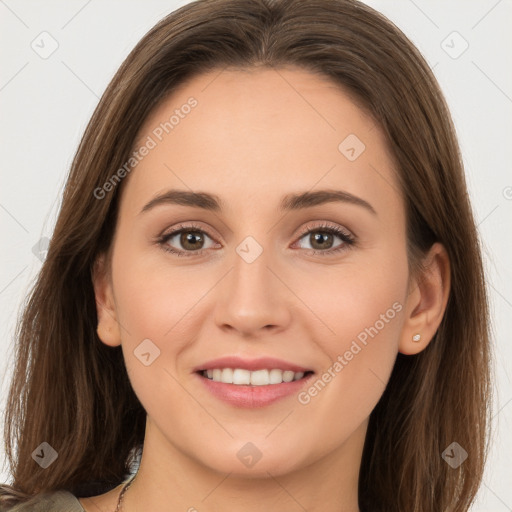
255	459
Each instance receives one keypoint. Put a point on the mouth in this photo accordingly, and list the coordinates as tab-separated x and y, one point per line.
249	383
251	389
262	377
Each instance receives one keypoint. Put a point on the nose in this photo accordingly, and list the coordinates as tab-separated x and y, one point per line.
253	299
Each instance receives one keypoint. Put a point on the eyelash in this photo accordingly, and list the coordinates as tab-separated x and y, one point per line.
348	240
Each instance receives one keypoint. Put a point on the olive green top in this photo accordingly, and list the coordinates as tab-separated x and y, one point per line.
57	501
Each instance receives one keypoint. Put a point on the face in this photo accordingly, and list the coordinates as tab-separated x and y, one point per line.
264	270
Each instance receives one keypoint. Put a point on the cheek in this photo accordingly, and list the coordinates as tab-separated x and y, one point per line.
365	312
365	294
363	308
154	306
151	300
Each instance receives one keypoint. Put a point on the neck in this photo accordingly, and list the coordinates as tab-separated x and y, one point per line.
169	479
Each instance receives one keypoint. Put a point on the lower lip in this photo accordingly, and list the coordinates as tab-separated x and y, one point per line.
253	396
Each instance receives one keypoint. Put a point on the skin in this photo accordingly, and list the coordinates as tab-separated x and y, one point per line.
253	137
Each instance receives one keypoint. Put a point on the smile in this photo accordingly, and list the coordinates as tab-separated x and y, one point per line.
242	377
247	389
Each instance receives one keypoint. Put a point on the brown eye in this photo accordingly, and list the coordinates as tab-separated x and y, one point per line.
191	240
186	241
321	239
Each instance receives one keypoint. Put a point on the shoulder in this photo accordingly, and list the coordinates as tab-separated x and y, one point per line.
56	501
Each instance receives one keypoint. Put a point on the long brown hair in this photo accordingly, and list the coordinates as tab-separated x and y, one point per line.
72	391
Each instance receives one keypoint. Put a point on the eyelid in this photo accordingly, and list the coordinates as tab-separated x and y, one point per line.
191	226
327	226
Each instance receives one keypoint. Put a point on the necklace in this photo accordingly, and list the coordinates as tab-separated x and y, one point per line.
121	494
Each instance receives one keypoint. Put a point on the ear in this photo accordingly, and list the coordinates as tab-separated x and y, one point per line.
426	302
108	326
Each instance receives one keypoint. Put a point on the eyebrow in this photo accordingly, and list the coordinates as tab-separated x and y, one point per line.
289	202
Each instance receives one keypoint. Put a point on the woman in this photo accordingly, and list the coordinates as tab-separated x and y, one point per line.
265	281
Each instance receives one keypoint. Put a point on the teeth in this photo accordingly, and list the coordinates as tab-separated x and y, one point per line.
288	376
227	375
257	378
239	377
275	376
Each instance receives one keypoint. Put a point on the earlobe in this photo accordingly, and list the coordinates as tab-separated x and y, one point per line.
426	302
108	326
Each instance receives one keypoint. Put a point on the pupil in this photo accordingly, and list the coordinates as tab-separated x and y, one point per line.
322	238
190	238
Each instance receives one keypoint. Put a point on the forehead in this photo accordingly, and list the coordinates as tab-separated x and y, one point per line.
262	133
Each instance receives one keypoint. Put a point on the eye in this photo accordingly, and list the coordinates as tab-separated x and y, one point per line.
321	239
191	238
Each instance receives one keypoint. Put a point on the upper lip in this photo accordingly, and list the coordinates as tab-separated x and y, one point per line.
261	363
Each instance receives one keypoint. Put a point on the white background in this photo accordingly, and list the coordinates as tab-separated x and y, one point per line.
46	103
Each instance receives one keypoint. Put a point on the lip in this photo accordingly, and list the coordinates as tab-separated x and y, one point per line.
261	363
249	397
